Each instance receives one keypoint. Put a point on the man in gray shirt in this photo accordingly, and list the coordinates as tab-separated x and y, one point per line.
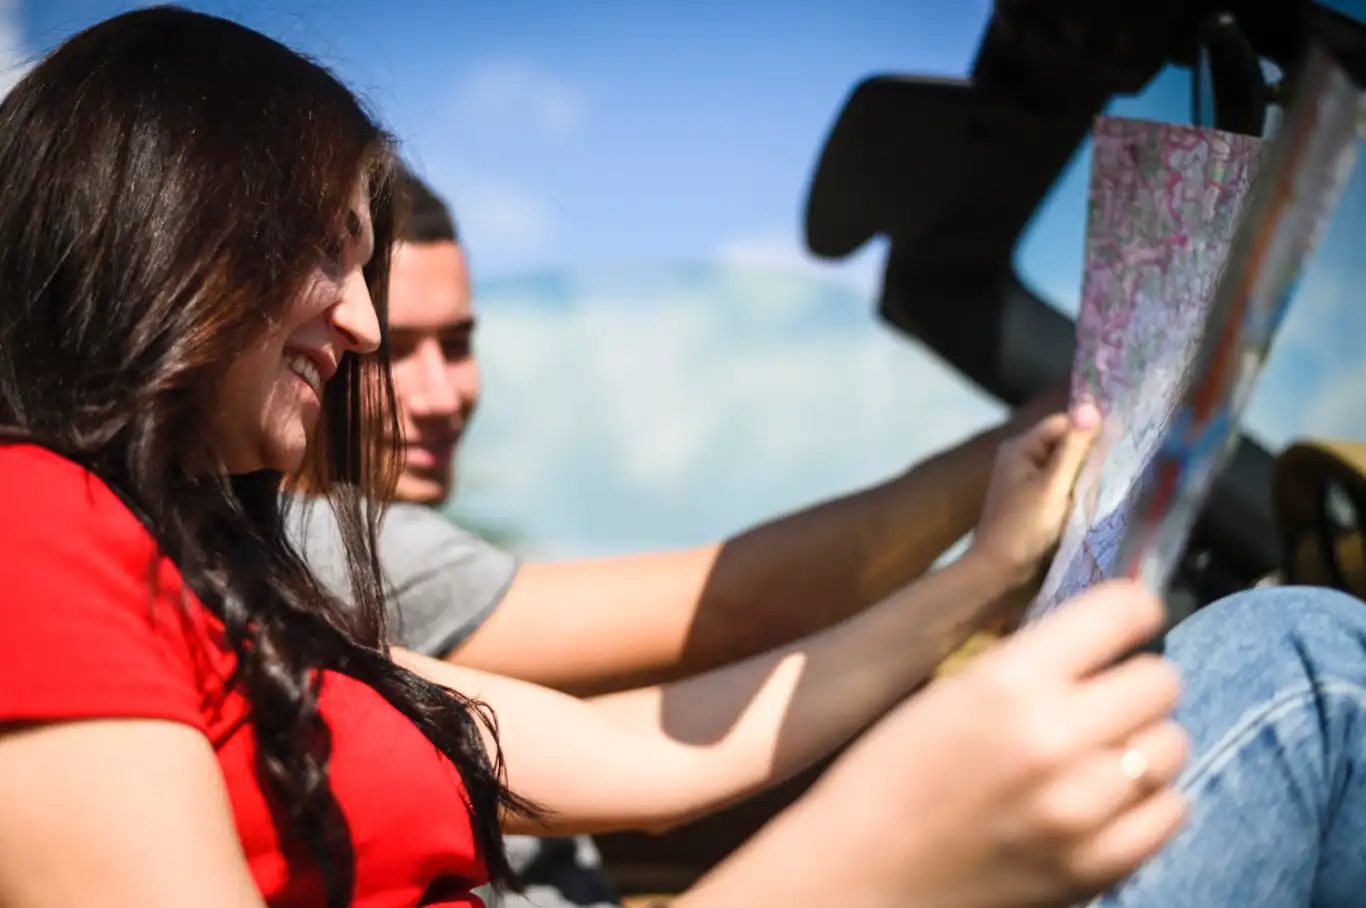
612	624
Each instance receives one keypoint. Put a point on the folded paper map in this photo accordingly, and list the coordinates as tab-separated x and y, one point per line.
1195	241
1163	206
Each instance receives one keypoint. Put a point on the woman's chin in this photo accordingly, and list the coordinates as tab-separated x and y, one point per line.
279	444
286	462
289	459
288	449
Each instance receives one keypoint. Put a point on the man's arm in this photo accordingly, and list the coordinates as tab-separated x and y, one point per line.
593	627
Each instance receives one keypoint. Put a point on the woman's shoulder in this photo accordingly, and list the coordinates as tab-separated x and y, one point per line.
45	495
29	470
93	622
23	456
69	543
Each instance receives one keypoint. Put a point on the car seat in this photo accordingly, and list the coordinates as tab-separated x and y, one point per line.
1319	499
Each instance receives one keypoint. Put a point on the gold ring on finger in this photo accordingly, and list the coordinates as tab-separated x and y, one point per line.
1133	763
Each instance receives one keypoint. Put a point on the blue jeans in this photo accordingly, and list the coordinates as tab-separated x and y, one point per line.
1275	704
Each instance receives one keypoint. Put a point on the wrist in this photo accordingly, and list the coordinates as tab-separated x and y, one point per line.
761	871
947	489
1003	576
881	860
853	866
981	598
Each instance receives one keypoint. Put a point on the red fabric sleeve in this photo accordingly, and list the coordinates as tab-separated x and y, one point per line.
80	636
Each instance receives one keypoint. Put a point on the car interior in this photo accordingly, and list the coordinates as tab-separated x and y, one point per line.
950	173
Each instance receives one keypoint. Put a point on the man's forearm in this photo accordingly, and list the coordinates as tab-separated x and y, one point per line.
593	627
614	624
793	576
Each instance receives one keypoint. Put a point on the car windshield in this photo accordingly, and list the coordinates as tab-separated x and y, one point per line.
1315	378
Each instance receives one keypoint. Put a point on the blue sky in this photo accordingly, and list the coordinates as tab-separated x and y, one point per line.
568	133
663	362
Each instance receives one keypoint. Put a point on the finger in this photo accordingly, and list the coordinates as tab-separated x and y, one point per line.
1135	836
1165	748
1086	633
1114	703
1093	791
1086	415
1069	454
1038	444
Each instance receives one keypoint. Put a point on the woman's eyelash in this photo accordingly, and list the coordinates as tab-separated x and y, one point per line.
337	244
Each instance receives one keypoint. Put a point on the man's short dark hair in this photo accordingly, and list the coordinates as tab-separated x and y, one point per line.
429	218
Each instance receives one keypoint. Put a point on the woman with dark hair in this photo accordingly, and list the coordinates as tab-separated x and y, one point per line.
194	230
194	222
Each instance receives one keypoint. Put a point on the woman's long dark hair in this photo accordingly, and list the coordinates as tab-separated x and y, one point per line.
170	180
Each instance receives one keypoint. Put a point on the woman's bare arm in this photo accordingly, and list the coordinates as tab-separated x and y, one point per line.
117	812
659	756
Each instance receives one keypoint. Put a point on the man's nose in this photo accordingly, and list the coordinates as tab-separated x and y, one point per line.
464	376
437	394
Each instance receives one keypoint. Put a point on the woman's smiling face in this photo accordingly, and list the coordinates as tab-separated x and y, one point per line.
263	411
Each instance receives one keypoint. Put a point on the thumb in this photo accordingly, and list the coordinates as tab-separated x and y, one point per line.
1086	633
1037	447
1071	452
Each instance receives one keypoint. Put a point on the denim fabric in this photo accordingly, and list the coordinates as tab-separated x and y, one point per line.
1275	704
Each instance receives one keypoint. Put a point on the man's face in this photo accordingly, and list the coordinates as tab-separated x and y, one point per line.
436	377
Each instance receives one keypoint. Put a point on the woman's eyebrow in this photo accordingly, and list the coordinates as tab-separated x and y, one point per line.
356	229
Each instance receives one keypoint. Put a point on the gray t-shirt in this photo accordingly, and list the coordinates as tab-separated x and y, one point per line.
443	582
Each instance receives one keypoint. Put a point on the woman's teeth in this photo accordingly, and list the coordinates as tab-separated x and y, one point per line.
303	367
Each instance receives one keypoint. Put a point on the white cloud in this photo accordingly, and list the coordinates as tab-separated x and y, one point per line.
506	224
496	108
783	249
14	57
515	95
634	409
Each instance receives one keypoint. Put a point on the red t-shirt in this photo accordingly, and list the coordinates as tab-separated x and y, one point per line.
80	637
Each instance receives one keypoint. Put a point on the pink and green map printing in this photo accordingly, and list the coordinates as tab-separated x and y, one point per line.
1163	205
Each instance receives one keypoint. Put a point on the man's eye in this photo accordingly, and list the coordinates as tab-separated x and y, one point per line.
457	348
